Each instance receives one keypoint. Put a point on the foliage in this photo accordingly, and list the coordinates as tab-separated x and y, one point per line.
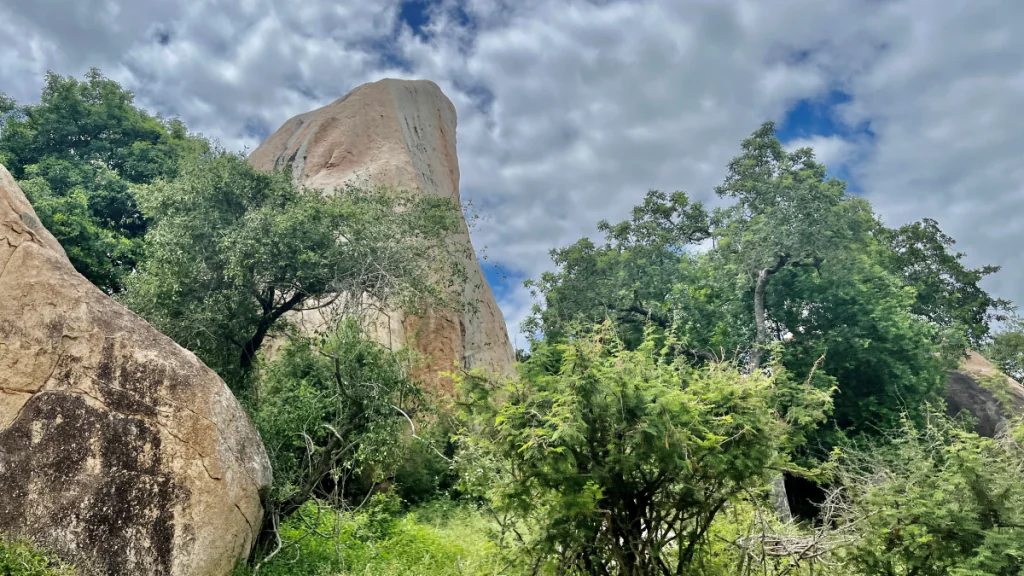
232	250
938	501
883	359
329	409
1006	350
797	266
21	558
78	153
627	279
787	215
948	293
425	472
441	539
621	459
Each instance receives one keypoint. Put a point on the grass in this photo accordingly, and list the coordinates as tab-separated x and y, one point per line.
21	558
437	539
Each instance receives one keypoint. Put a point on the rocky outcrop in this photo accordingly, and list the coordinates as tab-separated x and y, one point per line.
398	133
981	389
119	450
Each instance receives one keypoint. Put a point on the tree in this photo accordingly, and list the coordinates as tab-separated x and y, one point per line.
787	214
1006	350
231	251
621	460
331	407
78	152
883	358
628	278
947	292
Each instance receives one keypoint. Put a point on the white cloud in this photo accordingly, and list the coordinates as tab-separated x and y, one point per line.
570	111
832	151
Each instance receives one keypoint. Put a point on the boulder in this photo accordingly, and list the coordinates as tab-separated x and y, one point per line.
119	450
982	390
399	133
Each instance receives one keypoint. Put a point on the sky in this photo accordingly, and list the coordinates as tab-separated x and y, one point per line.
570	110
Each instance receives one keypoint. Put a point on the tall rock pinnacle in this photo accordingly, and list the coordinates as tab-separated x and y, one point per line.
399	133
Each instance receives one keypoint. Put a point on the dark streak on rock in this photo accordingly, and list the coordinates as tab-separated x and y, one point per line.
67	465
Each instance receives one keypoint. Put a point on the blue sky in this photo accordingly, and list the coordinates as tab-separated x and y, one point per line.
569	111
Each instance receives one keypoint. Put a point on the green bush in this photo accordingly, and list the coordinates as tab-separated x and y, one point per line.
21	558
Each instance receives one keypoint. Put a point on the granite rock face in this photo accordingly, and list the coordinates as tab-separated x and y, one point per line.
398	133
981	389
119	450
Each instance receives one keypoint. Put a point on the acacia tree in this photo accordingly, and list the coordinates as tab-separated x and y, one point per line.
331	412
231	251
936	500
620	460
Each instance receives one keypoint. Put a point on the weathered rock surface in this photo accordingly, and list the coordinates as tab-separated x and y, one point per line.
986	393
398	133
119	450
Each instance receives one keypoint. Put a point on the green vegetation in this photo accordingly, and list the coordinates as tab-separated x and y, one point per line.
620	461
1006	350
439	539
231	251
21	558
677	369
79	153
936	500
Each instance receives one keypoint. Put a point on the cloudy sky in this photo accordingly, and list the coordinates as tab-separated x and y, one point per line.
570	110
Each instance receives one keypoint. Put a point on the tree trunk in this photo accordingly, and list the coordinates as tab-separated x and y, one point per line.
759	321
780	500
252	347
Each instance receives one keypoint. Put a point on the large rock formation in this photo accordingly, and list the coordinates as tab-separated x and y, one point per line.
398	133
981	389
119	450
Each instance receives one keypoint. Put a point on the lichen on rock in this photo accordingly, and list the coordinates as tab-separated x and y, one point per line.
119	450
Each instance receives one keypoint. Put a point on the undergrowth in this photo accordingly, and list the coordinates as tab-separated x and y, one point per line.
437	539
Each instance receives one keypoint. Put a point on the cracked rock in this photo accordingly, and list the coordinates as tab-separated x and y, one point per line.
119	450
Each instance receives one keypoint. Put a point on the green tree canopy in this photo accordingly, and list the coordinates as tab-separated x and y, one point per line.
796	265
628	278
1006	350
78	152
948	293
232	250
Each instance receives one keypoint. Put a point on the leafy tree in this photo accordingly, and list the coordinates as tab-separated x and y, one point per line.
231	251
620	461
855	317
1006	350
628	278
78	152
937	501
787	215
948	293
